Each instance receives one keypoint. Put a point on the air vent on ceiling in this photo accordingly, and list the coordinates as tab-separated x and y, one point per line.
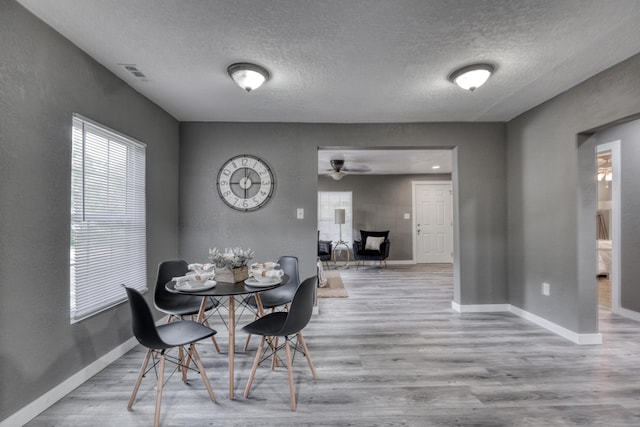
133	69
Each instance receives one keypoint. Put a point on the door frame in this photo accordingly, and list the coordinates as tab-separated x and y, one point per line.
614	276
414	224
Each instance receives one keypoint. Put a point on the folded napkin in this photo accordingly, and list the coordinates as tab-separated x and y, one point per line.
200	267
261	272
193	277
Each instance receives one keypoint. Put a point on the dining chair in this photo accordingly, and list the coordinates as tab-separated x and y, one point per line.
287	324
159	340
281	296
179	305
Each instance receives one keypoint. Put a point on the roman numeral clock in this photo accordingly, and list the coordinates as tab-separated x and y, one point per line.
245	182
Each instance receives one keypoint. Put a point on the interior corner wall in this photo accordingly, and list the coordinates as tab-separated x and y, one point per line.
379	203
543	195
291	149
44	79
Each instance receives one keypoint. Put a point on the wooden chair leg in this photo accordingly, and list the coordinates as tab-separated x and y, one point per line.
256	361
213	338
156	421
182	363
246	344
292	389
274	345
139	380
307	355
196	357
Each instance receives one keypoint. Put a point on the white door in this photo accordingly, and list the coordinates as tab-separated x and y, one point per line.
434	223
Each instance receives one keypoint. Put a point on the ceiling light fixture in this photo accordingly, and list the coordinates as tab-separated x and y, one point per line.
337	175
435	167
248	76
472	77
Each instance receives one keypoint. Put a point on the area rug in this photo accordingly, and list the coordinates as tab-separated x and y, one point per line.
334	287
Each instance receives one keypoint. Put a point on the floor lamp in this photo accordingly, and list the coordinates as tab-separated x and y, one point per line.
340	218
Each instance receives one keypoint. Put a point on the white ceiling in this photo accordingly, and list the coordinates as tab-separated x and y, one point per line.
387	161
355	61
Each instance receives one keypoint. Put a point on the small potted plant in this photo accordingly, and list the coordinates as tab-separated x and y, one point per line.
231	265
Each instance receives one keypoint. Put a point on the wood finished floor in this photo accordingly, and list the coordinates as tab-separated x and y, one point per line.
400	360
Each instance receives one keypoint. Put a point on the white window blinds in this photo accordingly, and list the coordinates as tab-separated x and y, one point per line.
328	202
108	230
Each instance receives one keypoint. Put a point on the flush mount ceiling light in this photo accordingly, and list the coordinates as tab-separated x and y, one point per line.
248	76
472	77
337	175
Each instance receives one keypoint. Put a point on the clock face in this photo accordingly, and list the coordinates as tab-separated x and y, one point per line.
245	182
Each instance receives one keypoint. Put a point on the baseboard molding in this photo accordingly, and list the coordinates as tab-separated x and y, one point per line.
629	314
400	262
39	405
581	339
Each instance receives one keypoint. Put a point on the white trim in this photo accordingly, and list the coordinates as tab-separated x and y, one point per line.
43	402
582	339
479	308
629	314
614	274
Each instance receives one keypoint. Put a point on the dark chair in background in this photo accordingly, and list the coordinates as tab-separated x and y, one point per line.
158	340
324	250
178	305
287	324
281	296
372	246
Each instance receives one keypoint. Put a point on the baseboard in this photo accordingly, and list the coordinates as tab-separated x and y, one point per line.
629	314
400	262
582	339
479	308
39	405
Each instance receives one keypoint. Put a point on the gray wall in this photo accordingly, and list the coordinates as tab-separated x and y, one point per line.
379	203
43	80
291	150
550	223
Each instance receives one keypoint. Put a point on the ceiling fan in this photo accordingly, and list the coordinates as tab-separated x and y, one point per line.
338	169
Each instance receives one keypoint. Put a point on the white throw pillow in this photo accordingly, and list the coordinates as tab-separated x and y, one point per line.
373	243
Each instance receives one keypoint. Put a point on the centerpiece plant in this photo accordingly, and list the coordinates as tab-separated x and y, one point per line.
231	264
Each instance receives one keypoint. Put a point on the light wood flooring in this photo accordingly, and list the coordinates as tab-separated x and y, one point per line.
393	353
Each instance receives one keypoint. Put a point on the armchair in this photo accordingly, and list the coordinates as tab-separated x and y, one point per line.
372	246
324	250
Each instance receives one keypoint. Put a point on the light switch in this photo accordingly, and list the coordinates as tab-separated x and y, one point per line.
407	216
300	213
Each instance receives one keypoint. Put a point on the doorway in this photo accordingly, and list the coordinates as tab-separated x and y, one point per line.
433	221
608	225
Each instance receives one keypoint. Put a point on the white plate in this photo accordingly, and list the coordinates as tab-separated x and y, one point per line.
252	281
195	286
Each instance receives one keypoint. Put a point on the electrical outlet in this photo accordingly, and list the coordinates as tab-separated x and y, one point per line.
546	289
300	213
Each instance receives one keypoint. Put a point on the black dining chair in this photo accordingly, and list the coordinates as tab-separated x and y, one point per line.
159	340
281	296
179	305
287	324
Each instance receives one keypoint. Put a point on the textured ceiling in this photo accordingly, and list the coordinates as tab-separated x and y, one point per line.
349	61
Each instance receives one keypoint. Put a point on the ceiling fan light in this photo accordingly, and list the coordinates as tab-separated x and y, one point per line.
608	176
472	77
248	76
337	175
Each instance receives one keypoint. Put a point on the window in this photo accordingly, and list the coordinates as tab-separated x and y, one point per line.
108	230
328	202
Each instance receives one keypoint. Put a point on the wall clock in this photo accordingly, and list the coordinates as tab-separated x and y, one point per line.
245	182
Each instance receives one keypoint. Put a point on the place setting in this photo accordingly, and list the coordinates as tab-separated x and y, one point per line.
264	274
199	278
